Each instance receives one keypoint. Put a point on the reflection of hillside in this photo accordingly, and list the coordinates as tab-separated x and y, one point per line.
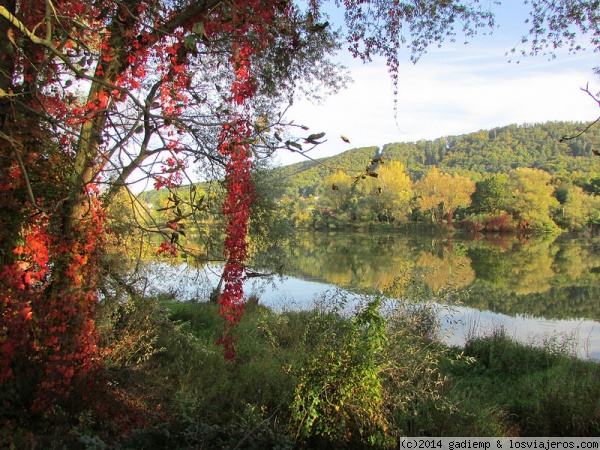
352	261
540	276
520	269
453	271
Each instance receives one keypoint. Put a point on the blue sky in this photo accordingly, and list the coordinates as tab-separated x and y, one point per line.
453	90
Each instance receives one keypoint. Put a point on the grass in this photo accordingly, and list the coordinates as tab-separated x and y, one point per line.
533	391
317	379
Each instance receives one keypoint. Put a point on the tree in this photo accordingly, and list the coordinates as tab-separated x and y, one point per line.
441	193
431	194
563	23
459	194
576	209
337	190
532	200
491	194
97	94
390	193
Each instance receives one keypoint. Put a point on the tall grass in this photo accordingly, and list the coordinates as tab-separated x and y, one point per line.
529	390
324	378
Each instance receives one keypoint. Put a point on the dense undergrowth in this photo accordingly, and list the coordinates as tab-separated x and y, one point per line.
332	377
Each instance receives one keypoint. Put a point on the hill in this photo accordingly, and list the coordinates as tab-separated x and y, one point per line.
306	175
541	146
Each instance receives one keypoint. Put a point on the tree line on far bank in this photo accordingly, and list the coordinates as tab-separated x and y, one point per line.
534	179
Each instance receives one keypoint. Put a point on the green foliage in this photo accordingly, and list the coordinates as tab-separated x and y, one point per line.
308	175
251	428
413	382
534	391
339	394
577	209
130	330
491	194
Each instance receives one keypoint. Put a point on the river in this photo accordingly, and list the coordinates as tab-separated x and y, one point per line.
539	288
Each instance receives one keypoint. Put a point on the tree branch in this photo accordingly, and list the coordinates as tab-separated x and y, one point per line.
15	145
22	28
597	100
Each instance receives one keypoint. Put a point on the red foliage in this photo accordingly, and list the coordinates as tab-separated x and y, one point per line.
51	222
257	17
47	333
498	223
236	208
502	223
475	226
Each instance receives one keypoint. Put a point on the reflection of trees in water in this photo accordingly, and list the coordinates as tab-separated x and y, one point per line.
573	261
453	271
365	263
539	276
534	266
524	268
560	302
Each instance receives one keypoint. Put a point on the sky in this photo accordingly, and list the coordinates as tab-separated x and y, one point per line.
453	90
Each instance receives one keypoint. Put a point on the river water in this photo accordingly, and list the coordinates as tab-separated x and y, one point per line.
541	289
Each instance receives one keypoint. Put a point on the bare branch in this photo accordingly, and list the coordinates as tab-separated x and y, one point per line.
597	100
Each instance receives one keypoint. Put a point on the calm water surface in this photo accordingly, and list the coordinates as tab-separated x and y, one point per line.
539	289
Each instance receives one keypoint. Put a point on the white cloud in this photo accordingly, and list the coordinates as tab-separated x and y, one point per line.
451	91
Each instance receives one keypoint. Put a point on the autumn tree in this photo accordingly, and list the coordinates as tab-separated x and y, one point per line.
389	194
95	95
441	193
531	200
459	195
337	189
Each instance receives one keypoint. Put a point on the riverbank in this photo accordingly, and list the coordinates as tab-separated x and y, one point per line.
316	379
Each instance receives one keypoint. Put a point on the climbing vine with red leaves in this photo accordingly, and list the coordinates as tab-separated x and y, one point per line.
49	270
252	18
64	155
236	208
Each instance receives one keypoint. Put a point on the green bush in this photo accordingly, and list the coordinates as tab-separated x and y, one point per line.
369	378
531	390
339	395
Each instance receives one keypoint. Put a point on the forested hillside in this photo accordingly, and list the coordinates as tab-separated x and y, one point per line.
540	146
530	176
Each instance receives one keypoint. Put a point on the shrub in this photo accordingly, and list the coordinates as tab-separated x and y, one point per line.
369	378
492	222
339	395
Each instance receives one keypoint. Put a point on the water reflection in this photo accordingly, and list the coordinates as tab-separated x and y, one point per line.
535	287
543	276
